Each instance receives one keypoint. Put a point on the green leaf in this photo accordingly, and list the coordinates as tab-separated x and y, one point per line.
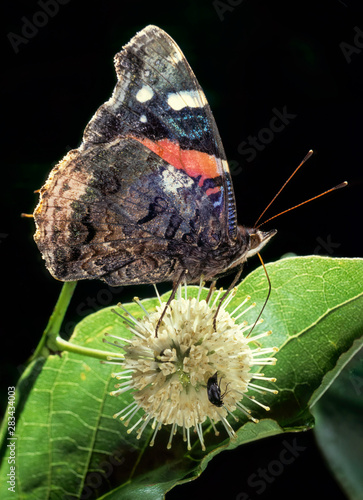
339	429
316	314
68	442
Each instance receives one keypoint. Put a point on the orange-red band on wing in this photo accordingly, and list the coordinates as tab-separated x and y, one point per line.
194	163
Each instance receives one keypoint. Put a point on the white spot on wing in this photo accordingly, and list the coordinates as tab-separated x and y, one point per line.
143	119
187	98
225	165
144	94
174	179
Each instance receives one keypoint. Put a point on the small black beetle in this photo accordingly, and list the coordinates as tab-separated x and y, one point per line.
214	390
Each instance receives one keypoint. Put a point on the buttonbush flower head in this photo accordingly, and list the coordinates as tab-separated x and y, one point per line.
190	373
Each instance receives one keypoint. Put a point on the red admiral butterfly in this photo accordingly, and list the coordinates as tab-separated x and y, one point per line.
147	197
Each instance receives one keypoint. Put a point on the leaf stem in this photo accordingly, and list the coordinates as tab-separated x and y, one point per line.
51	342
48	340
64	345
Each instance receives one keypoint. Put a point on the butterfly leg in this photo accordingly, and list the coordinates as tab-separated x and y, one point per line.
211	290
234	282
172	295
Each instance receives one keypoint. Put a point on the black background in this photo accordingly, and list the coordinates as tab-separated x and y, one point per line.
250	57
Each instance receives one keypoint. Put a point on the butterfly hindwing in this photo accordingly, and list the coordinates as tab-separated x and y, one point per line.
97	219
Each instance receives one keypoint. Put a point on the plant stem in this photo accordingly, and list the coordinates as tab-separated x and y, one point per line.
48	341
64	345
52	342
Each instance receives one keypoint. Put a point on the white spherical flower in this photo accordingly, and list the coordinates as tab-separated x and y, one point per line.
190	372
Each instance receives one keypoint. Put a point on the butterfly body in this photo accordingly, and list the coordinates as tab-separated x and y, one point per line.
148	194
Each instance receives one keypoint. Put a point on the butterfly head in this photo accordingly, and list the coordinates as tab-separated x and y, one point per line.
257	239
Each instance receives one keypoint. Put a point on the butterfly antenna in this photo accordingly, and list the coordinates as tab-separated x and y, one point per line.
307	156
268	295
339	186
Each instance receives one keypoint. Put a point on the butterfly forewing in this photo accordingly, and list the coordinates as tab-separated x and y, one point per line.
159	101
